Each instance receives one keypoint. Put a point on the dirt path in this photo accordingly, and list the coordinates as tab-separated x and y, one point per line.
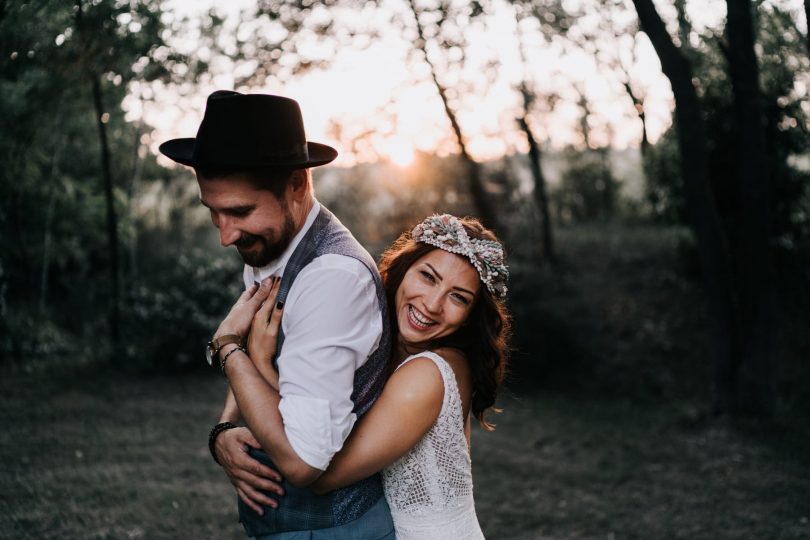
104	456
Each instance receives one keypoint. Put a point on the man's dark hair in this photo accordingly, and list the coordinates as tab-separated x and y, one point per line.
272	179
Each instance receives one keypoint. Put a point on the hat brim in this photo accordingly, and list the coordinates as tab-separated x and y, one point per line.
182	151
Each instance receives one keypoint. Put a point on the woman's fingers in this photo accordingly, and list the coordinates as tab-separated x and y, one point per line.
275	318
263	315
261	293
247	294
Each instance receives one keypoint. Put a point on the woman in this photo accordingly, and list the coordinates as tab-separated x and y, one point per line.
444	282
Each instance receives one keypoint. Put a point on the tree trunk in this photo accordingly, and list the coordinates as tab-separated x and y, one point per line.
46	251
540	193
46	243
756	393
132	187
807	22
483	203
638	105
112	221
712	246
106	173
584	127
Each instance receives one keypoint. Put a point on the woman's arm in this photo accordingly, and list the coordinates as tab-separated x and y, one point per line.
407	408
258	403
253	394
230	411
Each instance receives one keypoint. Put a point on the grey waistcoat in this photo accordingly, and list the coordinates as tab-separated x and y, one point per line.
300	509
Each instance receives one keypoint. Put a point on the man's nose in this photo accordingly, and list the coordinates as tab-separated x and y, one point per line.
228	234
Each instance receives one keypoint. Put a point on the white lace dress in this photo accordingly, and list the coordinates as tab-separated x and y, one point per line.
430	489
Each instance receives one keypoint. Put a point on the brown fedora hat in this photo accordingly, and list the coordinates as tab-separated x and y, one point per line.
249	130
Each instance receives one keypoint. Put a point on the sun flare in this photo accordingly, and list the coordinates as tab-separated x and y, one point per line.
399	151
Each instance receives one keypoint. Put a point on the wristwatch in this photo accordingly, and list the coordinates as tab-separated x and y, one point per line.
214	346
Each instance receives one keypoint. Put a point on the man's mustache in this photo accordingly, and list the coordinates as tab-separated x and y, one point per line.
246	240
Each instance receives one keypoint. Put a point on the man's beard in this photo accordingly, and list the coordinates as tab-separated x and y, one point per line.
269	249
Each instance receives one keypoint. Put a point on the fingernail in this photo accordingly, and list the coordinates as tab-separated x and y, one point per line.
280	304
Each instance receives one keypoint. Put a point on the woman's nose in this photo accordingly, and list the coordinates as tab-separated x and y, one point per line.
433	301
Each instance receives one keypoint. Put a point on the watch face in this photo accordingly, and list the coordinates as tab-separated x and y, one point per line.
209	354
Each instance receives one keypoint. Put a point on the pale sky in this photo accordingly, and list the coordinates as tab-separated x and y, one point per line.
359	84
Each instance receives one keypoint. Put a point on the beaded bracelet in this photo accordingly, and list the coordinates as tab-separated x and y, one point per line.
212	437
225	358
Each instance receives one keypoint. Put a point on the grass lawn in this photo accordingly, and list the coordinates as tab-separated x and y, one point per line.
106	456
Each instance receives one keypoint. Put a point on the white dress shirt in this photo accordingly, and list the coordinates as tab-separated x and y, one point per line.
332	324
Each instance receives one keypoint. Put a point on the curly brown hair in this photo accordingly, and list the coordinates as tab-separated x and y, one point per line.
484	340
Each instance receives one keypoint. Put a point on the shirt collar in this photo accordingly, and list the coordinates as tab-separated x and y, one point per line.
253	274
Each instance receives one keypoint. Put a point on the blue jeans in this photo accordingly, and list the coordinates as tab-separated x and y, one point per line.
376	524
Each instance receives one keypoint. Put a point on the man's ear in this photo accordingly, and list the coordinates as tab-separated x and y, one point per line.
299	184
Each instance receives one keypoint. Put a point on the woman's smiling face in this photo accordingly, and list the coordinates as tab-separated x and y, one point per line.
435	297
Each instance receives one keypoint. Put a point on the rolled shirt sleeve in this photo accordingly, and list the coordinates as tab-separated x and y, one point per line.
332	323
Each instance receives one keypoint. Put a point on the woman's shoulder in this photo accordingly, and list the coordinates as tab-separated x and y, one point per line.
458	362
435	357
418	378
455	358
428	363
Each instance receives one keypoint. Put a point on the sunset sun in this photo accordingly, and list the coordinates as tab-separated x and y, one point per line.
399	151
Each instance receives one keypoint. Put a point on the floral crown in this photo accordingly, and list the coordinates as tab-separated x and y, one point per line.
446	232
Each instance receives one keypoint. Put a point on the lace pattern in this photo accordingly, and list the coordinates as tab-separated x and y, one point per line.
429	489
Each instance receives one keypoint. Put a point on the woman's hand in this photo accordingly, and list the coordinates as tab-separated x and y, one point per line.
263	337
241	315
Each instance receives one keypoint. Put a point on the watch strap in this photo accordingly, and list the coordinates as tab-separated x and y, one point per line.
216	344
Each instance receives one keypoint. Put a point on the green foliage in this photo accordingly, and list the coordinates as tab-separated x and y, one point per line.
53	246
663	191
588	190
176	306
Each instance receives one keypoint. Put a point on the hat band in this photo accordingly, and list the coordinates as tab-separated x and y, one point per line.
298	152
262	156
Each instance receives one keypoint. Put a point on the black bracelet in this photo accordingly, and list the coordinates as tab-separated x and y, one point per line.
212	437
225	358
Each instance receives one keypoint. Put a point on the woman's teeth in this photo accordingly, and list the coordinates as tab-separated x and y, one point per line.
418	319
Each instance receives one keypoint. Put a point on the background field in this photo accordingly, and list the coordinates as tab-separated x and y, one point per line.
105	456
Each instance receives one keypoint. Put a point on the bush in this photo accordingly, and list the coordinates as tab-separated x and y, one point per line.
587	190
176	309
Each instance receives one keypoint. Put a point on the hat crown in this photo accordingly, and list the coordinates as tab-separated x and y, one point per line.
249	130
268	127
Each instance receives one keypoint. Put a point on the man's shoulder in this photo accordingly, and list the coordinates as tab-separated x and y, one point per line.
337	287
337	239
334	270
329	262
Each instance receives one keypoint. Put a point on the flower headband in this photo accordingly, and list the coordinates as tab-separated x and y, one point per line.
446	232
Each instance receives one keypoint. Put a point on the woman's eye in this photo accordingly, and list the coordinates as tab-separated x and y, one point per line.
460	298
427	275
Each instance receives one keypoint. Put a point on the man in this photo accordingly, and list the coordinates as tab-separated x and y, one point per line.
252	163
